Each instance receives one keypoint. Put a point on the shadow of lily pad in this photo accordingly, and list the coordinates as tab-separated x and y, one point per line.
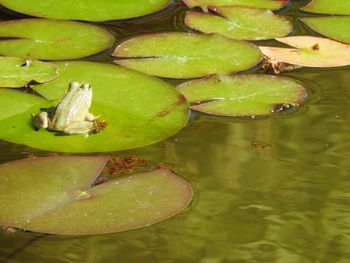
310	51
139	110
243	95
52	39
331	7
265	4
185	55
92	10
57	195
239	23
17	72
335	27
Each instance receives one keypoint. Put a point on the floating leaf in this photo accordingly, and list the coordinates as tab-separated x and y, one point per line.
139	110
243	95
17	72
265	4
57	195
336	27
240	23
310	52
88	10
335	7
183	55
52	39
14	102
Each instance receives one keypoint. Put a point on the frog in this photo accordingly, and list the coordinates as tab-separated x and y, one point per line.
71	114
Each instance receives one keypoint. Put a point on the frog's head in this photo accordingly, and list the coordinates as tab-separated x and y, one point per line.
41	120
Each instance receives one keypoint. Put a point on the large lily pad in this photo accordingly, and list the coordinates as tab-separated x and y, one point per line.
243	95
14	102
184	55
310	52
88	10
57	195
139	110
336	27
17	72
335	7
265	4
52	39
240	23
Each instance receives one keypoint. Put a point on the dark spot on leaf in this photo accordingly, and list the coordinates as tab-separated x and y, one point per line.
316	47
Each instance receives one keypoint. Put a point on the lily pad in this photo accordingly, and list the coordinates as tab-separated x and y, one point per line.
14	102
57	195
310	52
243	95
265	4
334	7
184	55
88	10
139	110
52	39
335	27
17	72
240	23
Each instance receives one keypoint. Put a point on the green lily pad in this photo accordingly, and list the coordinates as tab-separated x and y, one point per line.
240	23
310	52
52	39
88	10
139	110
14	102
57	195
184	55
335	27
243	95
265	4
332	7
17	72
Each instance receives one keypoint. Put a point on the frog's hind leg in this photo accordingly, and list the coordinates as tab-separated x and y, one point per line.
83	127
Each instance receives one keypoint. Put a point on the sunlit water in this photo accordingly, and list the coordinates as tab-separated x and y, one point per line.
274	189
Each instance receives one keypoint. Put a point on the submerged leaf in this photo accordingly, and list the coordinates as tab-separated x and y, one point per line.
265	4
88	10
52	39
17	72
240	23
184	55
310	52
57	195
332	7
335	27
139	110
243	95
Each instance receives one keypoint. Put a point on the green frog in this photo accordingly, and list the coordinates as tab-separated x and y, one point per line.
71	115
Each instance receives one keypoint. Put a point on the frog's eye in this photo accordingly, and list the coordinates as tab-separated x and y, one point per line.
86	86
74	84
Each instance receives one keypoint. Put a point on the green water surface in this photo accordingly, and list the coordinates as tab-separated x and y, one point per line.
274	189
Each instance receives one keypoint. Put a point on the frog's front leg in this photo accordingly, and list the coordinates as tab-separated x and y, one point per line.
81	127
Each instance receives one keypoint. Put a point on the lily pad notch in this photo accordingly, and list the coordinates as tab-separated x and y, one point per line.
18	72
66	200
242	23
171	55
243	95
46	39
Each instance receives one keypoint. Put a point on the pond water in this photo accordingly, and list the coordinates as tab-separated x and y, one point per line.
273	189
